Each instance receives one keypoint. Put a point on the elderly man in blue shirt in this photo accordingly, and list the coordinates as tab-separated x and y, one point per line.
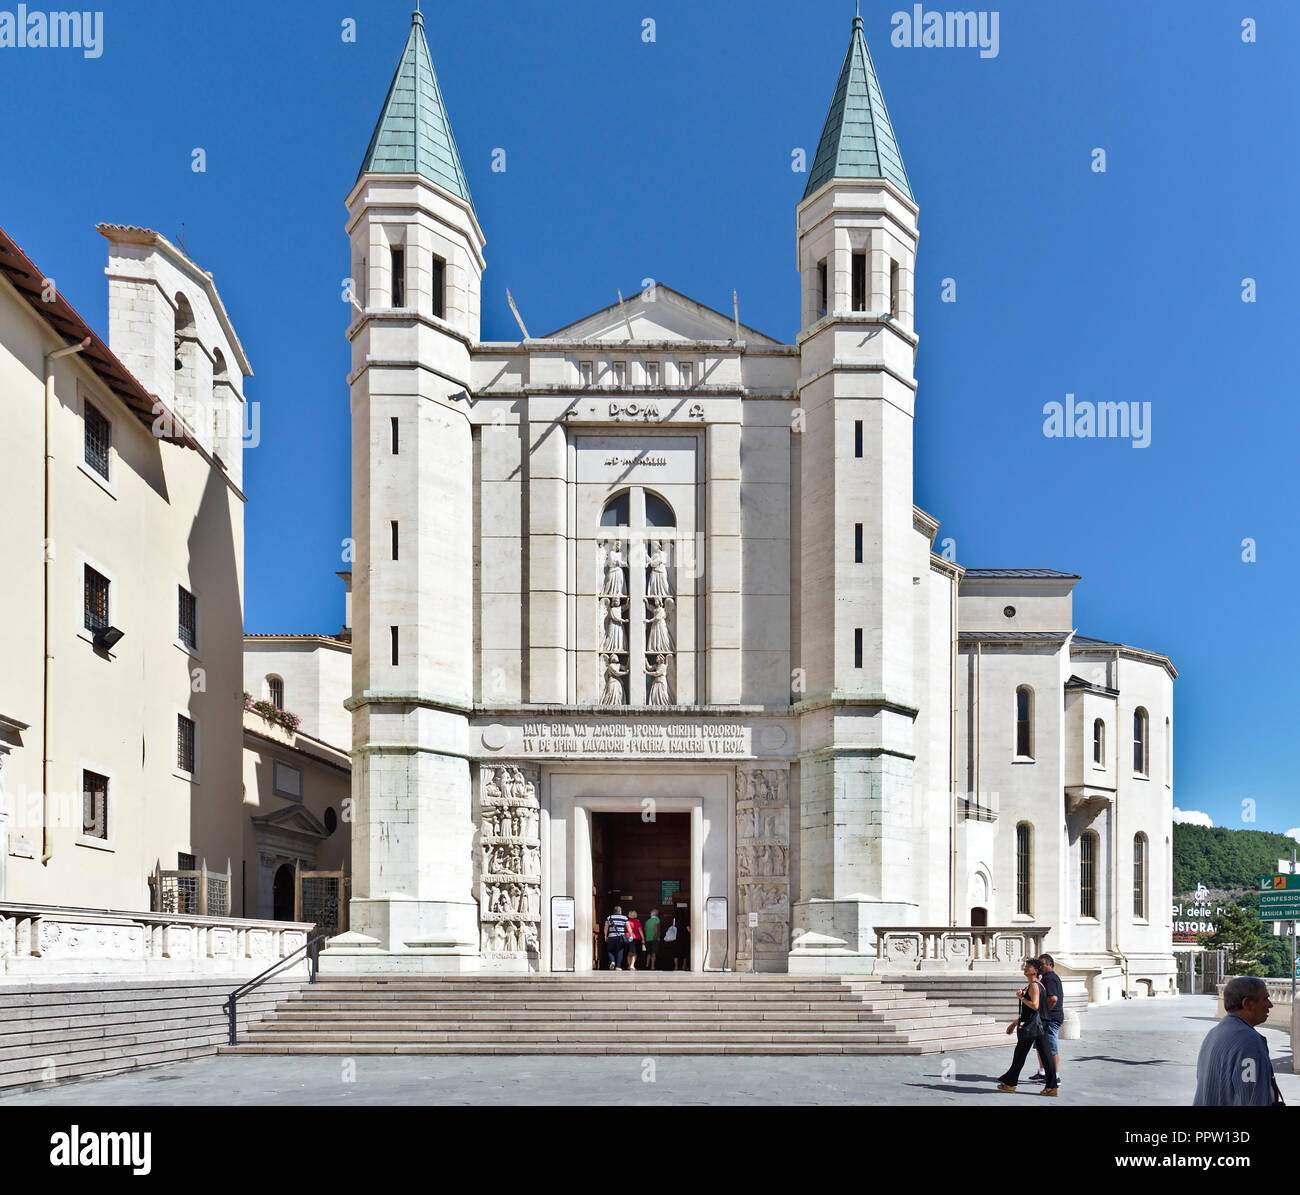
1233	1068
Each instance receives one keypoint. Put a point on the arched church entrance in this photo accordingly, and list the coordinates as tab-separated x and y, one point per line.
283	893
642	863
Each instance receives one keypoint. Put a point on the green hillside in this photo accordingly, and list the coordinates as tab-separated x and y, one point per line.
1225	859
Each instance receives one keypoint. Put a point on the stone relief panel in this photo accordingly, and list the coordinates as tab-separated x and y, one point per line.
509	861
762	867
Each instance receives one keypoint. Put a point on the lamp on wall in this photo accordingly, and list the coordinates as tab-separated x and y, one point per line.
107	637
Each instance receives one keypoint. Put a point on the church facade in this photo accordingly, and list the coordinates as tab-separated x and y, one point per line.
644	610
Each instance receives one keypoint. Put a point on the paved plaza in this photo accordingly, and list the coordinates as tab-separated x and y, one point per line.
1131	1053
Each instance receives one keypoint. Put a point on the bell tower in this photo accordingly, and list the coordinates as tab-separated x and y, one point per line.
857	235
416	274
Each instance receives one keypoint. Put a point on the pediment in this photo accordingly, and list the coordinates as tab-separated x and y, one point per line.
656	314
292	818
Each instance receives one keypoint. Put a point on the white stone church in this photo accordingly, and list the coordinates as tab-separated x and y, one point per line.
645	614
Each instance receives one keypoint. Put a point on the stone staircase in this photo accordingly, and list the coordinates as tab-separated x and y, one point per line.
614	1013
55	1032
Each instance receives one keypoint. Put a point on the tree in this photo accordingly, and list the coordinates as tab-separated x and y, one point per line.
1238	934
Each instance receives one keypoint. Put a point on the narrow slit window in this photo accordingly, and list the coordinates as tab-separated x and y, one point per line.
857	543
392	631
857	647
399	277
859	282
857	437
1024	723
1023	859
392	424
822	289
438	287
1099	742
393	528
1088	875
894	276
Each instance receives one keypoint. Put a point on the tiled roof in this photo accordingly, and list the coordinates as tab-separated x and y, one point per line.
414	135
29	281
858	140
1022	573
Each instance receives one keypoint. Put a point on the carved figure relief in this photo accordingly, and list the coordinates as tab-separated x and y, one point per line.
657	670
762	865
510	861
614	691
615	623
658	638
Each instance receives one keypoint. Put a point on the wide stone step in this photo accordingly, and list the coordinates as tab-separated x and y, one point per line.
617	1048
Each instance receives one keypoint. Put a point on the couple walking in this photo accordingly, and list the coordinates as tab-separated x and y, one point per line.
626	937
1042	1010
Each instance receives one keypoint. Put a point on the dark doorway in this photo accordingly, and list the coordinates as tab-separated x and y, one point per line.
979	916
643	865
283	890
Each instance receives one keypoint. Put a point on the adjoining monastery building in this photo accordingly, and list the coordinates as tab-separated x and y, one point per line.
645	612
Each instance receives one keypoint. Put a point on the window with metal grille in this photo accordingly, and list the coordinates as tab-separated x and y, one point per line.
94	805
186	619
96	600
184	743
1139	875
1088	875
438	285
1024	723
99	436
1022	867
1140	741
275	691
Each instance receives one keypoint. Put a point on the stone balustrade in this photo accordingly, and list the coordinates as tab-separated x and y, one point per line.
53	941
957	947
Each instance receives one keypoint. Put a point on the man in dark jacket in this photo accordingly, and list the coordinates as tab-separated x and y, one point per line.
1055	1014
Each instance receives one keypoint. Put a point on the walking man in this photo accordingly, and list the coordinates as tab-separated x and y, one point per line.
1047	1044
616	938
1233	1068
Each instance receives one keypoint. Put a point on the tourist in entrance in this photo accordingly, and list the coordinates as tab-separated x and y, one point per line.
1029	1028
1055	1016
635	939
652	941
1233	1067
616	938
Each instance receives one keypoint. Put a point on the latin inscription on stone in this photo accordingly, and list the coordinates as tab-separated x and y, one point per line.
636	738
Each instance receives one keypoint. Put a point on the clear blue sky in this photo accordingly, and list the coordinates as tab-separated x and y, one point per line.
671	160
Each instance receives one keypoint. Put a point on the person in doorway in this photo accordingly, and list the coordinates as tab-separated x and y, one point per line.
616	938
635	939
1055	1017
1028	1028
652	941
1233	1067
671	945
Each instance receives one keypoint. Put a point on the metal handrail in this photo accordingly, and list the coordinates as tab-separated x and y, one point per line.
231	1006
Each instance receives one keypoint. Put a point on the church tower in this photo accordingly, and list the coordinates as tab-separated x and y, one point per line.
416	273
857	237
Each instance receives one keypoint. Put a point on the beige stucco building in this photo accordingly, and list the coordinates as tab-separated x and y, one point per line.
120	470
645	612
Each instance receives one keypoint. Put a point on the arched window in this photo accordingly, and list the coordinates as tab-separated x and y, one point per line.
221	406
657	512
186	346
1140	743
1140	875
1099	742
1024	844
618	511
275	691
1088	874
1025	722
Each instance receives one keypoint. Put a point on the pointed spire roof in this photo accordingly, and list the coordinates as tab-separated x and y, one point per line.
858	140
414	135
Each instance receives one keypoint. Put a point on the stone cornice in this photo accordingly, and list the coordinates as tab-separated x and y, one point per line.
842	700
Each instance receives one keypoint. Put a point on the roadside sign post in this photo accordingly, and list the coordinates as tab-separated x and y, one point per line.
1279	900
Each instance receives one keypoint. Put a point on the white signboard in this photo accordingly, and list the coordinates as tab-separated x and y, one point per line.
716	910
562	914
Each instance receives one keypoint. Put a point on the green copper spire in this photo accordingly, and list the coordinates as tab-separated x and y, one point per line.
858	140
413	135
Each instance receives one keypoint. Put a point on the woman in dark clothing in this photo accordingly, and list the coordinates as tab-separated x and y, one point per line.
1032	999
